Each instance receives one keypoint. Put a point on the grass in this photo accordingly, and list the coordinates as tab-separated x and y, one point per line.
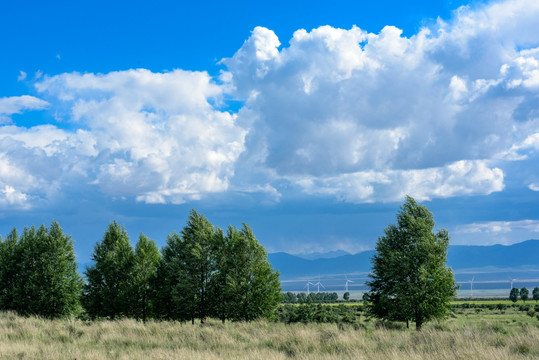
469	334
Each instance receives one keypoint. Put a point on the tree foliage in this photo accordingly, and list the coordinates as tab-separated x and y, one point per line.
147	259
513	295
38	273
108	287
535	293
252	287
524	293
410	280
206	273
198	274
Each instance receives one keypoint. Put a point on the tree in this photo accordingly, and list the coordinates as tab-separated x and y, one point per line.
524	294
513	295
253	287
346	296
108	287
146	261
410	279
198	259
289	298
10	262
535	293
185	276
39	272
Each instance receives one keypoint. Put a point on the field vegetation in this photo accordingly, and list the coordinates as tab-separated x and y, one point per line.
472	332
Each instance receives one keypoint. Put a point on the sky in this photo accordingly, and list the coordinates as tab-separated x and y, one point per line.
308	120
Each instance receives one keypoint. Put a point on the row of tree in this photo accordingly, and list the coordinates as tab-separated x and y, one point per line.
523	294
201	272
301	298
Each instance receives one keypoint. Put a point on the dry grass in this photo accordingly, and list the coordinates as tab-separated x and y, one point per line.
469	336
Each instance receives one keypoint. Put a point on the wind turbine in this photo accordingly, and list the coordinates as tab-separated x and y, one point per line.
512	280
346	284
307	286
319	284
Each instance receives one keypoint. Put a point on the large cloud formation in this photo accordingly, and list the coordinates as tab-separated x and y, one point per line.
358	116
157	137
369	117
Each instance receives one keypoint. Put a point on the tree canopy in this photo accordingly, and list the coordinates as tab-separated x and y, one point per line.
38	273
106	293
410	280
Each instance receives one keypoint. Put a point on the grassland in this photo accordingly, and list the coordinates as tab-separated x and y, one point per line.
471	333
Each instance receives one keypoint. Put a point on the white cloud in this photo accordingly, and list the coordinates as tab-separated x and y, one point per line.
460	178
17	104
499	227
156	137
359	116
22	76
365	116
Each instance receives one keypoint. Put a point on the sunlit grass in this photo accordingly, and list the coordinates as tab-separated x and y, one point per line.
467	335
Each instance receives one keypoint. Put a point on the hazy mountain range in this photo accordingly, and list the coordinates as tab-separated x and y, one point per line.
524	255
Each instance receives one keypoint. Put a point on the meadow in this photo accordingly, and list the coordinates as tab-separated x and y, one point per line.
470	333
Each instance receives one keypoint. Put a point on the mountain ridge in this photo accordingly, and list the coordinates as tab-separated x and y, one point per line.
459	257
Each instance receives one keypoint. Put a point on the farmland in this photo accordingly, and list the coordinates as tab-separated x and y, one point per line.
473	331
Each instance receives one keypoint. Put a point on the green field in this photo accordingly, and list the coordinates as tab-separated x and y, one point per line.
470	333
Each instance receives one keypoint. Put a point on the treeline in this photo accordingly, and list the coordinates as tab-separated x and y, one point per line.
201	272
303	298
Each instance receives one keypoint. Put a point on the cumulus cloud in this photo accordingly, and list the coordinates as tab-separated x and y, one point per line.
500	227
367	117
155	137
17	104
459	178
345	113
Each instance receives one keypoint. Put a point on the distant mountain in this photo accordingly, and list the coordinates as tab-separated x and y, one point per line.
323	255
459	257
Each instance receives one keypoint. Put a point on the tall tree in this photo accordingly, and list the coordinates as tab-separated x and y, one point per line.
524	293
199	262
253	287
184	279
106	293
535	293
513	295
40	272
10	262
171	299
410	279
146	261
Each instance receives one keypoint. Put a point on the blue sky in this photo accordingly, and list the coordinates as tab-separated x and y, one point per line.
308	120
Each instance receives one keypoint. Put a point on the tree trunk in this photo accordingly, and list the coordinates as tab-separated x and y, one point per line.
418	324
407	324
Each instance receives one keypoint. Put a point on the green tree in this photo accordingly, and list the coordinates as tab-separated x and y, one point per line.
535	293
253	286
199	261
289	298
108	287
185	276
524	293
513	295
171	300
146	261
10	262
302	298
346	296
410	279
40	272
